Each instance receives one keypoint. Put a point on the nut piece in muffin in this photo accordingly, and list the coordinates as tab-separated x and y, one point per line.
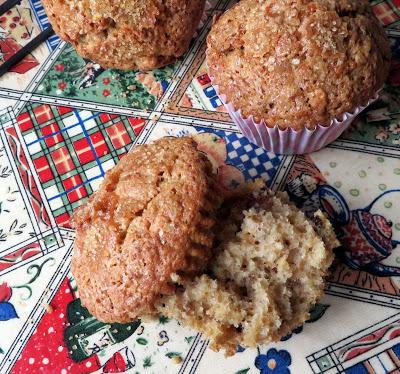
298	63
152	217
267	273
127	34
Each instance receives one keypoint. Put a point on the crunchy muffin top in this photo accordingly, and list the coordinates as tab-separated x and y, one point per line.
297	63
126	34
151	218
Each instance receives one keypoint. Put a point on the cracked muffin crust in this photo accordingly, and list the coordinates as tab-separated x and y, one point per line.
127	34
151	220
298	63
267	273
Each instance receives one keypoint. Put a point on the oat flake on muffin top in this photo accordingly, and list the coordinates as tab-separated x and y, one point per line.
297	63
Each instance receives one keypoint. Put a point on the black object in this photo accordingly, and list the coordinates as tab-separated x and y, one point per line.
7	5
33	44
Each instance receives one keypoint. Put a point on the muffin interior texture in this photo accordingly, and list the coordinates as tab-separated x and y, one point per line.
152	217
298	63
127	34
267	273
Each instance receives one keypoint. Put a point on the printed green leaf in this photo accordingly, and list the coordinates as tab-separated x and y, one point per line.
1	351
317	312
173	354
163	320
13	225
189	339
243	371
147	362
141	341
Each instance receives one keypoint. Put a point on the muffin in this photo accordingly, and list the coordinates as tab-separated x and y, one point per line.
296	65
267	273
126	34
152	218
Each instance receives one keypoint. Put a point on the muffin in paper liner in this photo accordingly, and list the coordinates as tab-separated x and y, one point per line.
309	67
290	141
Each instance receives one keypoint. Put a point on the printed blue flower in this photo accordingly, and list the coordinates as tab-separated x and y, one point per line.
297	330
7	311
274	362
239	349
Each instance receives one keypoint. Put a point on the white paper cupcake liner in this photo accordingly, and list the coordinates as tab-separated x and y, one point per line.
290	141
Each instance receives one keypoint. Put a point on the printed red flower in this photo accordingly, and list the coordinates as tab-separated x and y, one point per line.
15	19
106	93
106	80
13	25
5	292
59	67
62	85
3	19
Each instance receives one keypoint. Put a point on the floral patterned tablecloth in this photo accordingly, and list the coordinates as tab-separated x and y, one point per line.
65	121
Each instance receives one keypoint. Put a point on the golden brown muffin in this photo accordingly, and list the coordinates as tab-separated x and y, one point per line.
126	34
298	63
151	218
268	272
